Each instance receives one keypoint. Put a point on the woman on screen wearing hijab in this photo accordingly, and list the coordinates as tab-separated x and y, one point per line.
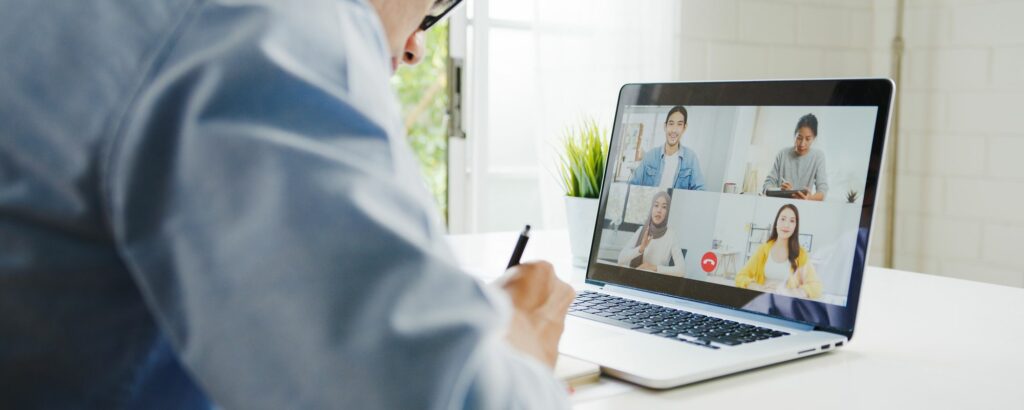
653	246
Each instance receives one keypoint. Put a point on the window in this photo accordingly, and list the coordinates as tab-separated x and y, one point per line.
532	68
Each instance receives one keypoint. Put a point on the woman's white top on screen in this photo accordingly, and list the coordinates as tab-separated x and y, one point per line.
776	273
659	252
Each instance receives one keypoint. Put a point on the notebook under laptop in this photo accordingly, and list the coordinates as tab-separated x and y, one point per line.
694	271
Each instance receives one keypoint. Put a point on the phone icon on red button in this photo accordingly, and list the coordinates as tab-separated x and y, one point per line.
709	262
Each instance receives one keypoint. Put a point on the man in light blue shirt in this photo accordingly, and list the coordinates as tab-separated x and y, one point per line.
212	203
671	165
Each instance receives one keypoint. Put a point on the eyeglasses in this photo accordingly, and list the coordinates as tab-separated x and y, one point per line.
437	11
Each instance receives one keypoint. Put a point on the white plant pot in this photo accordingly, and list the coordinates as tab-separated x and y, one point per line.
581	214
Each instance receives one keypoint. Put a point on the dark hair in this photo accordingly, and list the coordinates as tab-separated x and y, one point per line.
809	121
794	241
678	109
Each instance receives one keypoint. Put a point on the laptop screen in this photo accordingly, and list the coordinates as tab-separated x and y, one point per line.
763	206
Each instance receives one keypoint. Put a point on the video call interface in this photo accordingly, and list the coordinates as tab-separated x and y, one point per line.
766	198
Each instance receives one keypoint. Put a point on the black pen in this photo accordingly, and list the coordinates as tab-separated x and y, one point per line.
517	253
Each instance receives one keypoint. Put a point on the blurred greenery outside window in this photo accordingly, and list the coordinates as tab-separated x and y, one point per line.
422	91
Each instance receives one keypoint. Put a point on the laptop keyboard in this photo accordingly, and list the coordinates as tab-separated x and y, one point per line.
666	322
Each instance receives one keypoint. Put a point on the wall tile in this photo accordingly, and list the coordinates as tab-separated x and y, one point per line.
703	19
947	68
985	112
862	29
926	153
938	236
694	60
982	272
881	63
729	61
823	26
767	22
1005	157
854	63
985	199
921	111
921	195
795	62
988	24
884	23
1008	67
927	27
916	263
1002	246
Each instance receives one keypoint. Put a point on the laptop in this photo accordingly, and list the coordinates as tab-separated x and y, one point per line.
694	271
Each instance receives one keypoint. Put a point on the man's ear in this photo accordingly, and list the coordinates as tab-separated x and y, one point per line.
415	47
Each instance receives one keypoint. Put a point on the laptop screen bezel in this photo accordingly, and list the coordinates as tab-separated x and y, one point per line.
874	92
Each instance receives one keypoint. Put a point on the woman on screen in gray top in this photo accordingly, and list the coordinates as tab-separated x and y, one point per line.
653	246
800	167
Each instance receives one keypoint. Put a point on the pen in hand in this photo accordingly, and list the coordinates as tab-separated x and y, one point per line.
517	253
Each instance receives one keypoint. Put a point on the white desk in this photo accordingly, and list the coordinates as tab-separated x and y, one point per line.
921	341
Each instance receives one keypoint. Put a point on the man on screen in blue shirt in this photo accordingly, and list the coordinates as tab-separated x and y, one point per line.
212	203
671	165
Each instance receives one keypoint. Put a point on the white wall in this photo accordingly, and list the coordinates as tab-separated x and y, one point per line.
745	39
961	177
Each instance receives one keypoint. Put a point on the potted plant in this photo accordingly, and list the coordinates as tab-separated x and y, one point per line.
581	171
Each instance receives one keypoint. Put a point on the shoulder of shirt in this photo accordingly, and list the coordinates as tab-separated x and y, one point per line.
656	151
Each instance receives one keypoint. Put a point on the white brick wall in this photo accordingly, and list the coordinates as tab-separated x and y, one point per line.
960	209
986	23
1008	66
961	174
767	22
1004	157
744	39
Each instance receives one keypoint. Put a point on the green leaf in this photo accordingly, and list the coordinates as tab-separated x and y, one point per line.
582	159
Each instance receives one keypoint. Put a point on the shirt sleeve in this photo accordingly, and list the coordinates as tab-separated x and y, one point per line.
697	183
678	267
749	273
821	176
275	224
772	181
630	252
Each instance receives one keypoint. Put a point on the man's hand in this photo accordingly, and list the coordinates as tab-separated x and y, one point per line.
541	301
786	186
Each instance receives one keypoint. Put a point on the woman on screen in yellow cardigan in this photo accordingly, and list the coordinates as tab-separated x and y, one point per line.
781	265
